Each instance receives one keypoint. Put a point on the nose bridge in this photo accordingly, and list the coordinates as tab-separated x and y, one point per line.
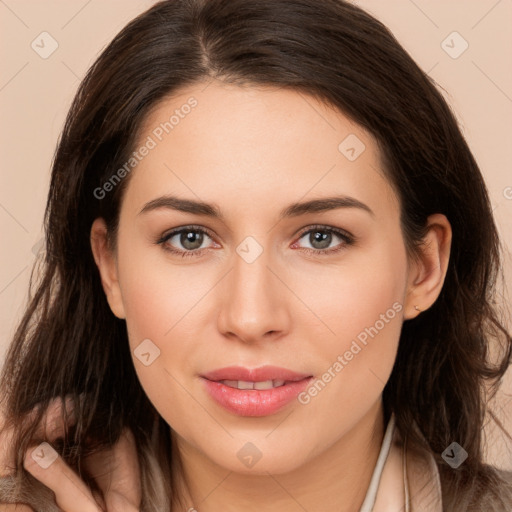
253	302
252	282
251	268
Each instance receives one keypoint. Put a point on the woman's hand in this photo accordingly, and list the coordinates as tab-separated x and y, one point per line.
116	471
51	427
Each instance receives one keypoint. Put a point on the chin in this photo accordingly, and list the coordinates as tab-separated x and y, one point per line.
247	459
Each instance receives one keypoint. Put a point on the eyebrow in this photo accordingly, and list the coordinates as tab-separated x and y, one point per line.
293	210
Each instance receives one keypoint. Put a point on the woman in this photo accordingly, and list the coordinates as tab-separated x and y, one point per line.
184	350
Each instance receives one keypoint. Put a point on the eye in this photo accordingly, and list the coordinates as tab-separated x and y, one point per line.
191	238
321	237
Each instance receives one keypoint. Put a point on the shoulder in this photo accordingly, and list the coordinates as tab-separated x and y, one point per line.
489	490
469	488
494	490
25	494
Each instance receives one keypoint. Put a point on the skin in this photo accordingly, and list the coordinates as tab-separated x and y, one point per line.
252	151
115	470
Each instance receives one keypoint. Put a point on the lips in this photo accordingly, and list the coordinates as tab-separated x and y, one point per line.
264	373
254	392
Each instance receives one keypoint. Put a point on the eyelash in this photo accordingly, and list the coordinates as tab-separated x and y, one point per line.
348	240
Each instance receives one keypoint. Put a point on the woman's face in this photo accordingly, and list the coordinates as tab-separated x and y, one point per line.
254	289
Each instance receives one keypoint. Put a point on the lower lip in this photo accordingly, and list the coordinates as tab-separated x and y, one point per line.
255	402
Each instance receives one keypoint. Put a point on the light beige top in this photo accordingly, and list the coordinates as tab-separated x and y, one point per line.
403	479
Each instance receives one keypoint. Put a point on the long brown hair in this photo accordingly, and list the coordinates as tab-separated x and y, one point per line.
70	344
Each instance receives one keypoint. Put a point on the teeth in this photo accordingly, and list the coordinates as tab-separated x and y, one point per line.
230	383
267	384
243	384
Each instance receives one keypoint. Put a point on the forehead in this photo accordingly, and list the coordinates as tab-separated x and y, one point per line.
250	148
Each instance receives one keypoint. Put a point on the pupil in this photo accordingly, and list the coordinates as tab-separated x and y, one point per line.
187	240
323	238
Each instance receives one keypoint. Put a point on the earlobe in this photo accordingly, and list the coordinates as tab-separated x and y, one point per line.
428	273
106	263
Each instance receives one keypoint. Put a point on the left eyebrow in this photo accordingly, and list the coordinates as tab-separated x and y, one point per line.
293	210
324	204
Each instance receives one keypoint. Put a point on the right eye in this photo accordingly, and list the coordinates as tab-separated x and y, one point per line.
191	238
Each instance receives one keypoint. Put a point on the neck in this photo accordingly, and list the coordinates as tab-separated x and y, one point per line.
337	479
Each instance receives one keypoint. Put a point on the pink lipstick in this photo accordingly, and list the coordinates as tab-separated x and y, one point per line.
254	392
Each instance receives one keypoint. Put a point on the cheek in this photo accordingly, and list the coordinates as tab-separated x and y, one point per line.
157	292
160	325
156	296
362	307
364	291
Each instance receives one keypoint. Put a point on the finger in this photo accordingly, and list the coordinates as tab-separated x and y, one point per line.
58	417
117	473
99	499
71	493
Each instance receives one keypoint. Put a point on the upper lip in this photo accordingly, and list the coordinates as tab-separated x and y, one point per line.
261	374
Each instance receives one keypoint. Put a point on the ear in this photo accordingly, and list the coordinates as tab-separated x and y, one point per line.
106	261
426	276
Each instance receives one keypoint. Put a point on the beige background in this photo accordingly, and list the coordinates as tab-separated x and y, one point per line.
35	94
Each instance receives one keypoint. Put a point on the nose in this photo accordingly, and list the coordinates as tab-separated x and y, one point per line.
254	300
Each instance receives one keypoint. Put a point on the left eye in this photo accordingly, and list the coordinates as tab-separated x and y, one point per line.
321	238
192	239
